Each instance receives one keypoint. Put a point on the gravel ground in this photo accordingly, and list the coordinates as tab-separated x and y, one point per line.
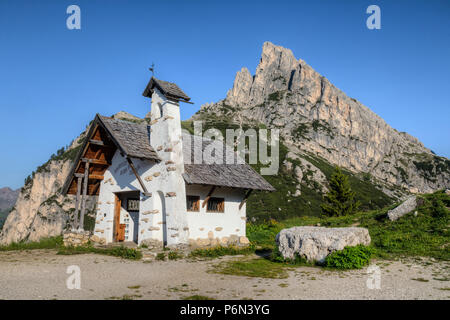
41	274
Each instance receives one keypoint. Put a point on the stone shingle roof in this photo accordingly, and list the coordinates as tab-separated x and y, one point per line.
225	174
168	89
133	138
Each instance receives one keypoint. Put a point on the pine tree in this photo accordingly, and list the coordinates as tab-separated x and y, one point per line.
340	200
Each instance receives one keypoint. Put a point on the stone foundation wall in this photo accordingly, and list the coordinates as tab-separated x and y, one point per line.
80	238
210	242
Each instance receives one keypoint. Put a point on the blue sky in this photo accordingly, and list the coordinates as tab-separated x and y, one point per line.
53	80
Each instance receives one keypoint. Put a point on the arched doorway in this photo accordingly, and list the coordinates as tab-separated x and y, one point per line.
160	222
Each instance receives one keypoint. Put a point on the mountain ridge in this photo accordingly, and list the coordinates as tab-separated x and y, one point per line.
8	197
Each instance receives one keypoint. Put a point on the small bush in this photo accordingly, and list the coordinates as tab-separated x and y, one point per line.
349	258
161	256
174	255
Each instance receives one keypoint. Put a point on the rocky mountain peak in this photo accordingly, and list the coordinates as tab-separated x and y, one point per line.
316	117
276	71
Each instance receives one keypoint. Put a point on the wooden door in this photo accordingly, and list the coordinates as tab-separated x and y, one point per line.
119	229
121	232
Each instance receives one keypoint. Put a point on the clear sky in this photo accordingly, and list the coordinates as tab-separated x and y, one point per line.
54	80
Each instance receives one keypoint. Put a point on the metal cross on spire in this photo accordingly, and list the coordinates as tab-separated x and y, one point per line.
152	69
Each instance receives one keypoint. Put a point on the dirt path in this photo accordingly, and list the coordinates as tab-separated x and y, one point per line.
41	274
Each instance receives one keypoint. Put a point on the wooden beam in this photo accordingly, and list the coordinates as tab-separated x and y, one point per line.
100	144
245	198
97	142
208	196
96	177
98	153
96	161
77	204
144	189
83	198
91	176
96	187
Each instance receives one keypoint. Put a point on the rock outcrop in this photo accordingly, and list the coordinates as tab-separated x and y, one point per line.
316	243
315	117
406	207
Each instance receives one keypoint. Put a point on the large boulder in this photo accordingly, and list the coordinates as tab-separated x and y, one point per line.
409	205
315	243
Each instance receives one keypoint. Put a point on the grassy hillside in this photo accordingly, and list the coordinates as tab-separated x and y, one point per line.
281	204
425	234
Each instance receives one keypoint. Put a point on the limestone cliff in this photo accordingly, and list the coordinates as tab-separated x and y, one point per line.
315	117
40	210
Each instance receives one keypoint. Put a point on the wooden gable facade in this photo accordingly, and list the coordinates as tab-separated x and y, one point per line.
96	156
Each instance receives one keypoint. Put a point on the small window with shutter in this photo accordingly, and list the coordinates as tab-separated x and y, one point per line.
216	205
193	203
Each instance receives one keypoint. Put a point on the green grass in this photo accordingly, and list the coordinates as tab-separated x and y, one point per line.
134	287
426	234
161	256
174	255
46	243
281	205
220	251
258	267
122	252
57	243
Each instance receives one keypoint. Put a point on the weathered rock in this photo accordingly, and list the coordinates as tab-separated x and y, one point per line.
223	241
77	238
244	241
95	238
406	207
233	239
123	115
315	243
203	242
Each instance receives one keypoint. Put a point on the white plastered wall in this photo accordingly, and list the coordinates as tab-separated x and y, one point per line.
231	222
164	177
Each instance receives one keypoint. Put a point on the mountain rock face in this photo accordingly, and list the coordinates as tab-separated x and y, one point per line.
40	210
7	198
315	117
